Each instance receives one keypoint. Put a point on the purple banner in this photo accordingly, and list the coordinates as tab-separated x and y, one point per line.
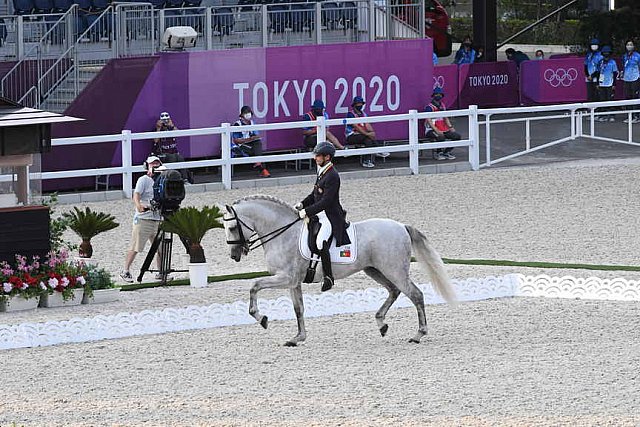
446	77
556	81
488	84
204	89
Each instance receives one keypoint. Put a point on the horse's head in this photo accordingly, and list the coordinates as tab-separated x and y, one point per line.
235	231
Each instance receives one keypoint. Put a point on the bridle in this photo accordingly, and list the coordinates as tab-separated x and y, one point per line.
250	243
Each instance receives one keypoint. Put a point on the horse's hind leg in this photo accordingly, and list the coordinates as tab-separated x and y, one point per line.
417	298
393	295
298	307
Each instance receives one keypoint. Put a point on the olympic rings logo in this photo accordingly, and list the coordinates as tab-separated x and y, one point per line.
438	82
560	76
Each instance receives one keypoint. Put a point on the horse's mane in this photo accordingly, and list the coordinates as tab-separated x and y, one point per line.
267	198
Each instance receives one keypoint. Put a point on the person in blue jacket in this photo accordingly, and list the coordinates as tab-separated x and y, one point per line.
631	76
607	75
591	69
466	54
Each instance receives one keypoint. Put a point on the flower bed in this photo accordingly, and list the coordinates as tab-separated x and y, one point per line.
30	280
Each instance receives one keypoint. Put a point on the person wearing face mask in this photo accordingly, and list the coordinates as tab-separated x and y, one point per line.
167	148
311	133
440	129
480	54
607	75
248	143
362	134
591	69
145	220
466	54
631	76
539	55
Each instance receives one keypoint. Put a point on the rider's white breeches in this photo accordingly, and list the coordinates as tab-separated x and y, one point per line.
325	230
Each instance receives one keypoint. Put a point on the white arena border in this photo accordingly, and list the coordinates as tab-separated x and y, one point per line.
149	322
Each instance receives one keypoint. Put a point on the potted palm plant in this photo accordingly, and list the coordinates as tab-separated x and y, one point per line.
87	224
191	224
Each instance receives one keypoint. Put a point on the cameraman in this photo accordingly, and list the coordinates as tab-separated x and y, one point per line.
145	220
167	148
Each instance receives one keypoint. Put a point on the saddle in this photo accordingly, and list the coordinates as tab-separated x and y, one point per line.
345	254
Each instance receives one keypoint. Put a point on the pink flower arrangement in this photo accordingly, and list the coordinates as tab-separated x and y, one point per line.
32	279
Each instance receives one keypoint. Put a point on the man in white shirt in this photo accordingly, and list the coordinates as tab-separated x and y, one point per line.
145	220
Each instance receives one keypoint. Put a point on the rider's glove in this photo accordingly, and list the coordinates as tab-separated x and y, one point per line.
302	213
298	206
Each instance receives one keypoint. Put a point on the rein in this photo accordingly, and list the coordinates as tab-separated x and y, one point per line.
250	244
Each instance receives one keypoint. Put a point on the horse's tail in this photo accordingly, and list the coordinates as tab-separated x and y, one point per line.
430	259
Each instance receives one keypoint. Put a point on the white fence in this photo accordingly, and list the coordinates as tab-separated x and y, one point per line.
577	115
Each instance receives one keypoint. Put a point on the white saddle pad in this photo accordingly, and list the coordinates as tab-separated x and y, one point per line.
345	254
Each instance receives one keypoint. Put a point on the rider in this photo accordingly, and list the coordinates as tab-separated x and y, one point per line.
324	202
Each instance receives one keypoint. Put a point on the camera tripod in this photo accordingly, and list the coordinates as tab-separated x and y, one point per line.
164	242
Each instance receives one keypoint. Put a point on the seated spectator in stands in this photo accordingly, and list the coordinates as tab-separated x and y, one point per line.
539	54
608	74
248	143
516	55
440	129
167	148
631	76
311	133
435	59
480	54
362	134
466	54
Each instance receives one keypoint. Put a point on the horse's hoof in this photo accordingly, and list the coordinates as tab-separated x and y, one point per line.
384	329
264	321
290	344
413	340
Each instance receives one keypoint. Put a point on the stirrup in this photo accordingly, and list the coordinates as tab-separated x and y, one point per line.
327	283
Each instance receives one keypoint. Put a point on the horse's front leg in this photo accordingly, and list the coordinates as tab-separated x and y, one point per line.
298	307
277	281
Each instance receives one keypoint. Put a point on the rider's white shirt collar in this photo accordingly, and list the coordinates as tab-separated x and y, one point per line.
324	168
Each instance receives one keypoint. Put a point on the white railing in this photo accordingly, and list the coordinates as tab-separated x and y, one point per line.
226	162
575	114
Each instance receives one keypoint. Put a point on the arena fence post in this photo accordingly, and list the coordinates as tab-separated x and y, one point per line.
127	175
322	129
487	138
265	25
208	25
372	25
414	153
474	137
226	155
318	21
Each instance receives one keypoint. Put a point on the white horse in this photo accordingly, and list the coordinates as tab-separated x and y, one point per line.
383	252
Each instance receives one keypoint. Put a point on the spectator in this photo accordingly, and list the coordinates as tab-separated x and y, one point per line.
608	73
361	133
631	75
311	133
539	54
145	220
248	143
166	149
591	69
466	54
516	55
440	129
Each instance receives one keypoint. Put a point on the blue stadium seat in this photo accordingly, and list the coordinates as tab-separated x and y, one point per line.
302	16
61	6
23	7
349	14
223	20
43	6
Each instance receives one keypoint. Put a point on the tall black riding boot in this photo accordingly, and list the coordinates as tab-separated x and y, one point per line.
327	280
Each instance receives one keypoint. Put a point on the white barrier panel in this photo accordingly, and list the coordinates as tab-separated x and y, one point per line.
319	305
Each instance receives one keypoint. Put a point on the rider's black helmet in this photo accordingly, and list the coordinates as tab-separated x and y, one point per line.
325	148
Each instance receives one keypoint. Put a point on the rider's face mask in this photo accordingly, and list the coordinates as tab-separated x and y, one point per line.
318	111
630	47
358	106
247	116
438	97
594	47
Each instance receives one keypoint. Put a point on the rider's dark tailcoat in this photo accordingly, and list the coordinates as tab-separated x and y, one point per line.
326	197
